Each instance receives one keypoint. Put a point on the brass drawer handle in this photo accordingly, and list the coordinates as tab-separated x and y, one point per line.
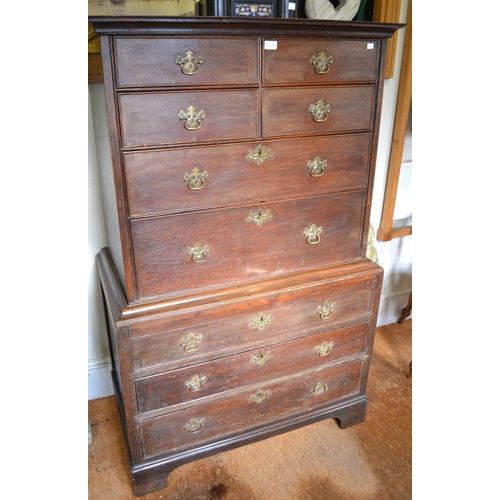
261	358
259	216
260	154
259	397
190	63
196	179
317	166
312	233
195	383
319	111
191	341
198	252
325	310
319	388
324	348
191	118
261	321
194	425
322	62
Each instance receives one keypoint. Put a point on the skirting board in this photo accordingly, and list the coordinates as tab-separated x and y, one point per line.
100	384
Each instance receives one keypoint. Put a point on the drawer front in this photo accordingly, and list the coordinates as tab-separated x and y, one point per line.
316	110
182	340
185	61
185	179
320	60
210	422
187	117
256	366
204	249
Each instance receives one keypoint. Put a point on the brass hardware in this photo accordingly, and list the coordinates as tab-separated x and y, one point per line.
191	118
259	217
312	233
325	310
195	383
324	348
198	252
319	111
196	179
261	322
322	62
194	425
260	154
259	397
189	64
319	388
261	358
317	166
191	341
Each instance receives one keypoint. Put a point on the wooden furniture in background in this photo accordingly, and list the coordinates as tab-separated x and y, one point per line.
239	300
387	231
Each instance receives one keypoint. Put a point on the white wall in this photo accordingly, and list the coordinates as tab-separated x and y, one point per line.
394	256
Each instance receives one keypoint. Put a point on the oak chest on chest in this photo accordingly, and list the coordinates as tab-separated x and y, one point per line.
239	300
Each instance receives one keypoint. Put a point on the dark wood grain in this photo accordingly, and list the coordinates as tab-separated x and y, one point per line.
155	179
291	61
156	295
152	61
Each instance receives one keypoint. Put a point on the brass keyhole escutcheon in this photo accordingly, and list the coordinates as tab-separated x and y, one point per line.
261	358
261	321
260	154
259	397
322	62
190	64
191	118
260	216
319	111
312	234
195	179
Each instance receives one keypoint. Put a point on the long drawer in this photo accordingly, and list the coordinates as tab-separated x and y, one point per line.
319	60
157	118
185	338
204	249
177	180
255	366
185	61
316	110
202	424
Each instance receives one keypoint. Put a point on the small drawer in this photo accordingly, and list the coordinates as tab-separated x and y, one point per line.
214	421
317	110
201	335
177	180
320	60
196	250
185	61
257	366
188	117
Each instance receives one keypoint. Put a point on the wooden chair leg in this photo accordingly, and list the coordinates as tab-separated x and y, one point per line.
405	312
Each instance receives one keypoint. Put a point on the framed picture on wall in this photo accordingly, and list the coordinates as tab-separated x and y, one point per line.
252	8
